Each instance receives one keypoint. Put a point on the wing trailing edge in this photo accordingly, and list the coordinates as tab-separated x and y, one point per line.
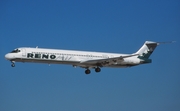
114	59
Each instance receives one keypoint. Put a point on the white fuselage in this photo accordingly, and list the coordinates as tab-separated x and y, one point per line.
71	57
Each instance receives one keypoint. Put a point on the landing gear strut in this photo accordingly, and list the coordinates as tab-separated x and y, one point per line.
13	64
97	69
87	71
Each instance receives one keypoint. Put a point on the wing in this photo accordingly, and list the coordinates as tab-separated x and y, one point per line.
108	60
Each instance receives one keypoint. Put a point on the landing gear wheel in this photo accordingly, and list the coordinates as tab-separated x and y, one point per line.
13	65
87	71
97	69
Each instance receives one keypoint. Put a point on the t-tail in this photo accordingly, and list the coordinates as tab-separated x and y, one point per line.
146	50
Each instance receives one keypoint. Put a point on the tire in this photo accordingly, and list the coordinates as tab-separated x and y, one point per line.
87	71
98	69
13	65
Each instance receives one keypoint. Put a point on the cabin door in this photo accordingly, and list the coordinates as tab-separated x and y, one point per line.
24	52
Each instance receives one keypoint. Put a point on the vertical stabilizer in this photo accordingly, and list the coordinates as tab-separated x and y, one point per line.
147	49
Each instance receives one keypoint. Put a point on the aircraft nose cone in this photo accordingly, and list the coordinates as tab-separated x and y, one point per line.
8	56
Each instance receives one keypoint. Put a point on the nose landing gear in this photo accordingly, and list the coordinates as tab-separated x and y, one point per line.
13	64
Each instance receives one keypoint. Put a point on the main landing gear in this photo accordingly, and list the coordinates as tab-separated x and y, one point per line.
87	71
97	69
13	64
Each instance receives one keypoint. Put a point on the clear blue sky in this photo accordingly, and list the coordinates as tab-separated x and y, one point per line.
104	25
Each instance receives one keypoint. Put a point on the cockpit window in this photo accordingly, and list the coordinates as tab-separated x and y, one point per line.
15	51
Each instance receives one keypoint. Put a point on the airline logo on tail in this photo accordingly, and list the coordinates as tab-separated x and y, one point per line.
146	50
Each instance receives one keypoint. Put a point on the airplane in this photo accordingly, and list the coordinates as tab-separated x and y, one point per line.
84	59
